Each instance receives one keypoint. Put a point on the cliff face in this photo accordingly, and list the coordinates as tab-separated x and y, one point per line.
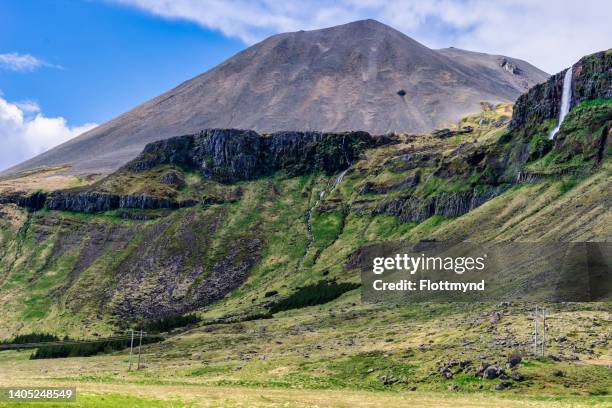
91	201
230	155
416	209
583	136
591	79
223	155
34	201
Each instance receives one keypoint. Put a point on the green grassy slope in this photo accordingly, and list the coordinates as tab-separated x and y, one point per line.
61	270
93	274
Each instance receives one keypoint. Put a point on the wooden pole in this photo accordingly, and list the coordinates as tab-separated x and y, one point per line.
139	345
131	347
543	330
535	336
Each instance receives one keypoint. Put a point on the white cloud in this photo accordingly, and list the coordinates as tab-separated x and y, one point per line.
552	34
26	132
22	62
28	106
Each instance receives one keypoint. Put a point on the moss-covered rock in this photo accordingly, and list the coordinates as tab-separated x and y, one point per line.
591	79
230	155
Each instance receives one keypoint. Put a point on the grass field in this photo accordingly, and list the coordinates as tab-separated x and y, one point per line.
339	355
66	273
131	395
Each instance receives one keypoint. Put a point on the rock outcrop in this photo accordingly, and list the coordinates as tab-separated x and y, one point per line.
34	201
591	79
223	155
165	276
230	155
373	188
536	113
91	201
88	202
173	178
417	209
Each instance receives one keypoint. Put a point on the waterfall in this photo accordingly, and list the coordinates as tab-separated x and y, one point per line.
339	178
329	188
565	100
341	175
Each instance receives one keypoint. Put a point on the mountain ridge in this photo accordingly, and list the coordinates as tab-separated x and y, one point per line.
358	76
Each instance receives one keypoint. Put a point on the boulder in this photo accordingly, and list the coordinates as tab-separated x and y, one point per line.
514	360
492	372
481	369
465	363
503	385
510	66
388	380
270	293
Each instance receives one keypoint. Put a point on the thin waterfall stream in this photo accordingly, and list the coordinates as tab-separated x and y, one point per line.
566	97
330	187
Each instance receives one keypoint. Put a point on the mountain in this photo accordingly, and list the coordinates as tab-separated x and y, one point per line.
358	76
195	218
240	247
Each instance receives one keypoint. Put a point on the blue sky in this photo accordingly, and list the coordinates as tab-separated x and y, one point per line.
103	59
66	65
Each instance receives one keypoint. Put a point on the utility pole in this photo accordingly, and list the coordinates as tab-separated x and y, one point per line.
543	330
131	347
535	337
139	345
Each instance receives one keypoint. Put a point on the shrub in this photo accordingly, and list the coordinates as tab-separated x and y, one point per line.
85	349
168	323
315	294
31	338
594	102
567	183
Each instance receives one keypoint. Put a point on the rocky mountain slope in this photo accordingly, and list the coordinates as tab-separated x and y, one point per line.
251	218
255	233
360	76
